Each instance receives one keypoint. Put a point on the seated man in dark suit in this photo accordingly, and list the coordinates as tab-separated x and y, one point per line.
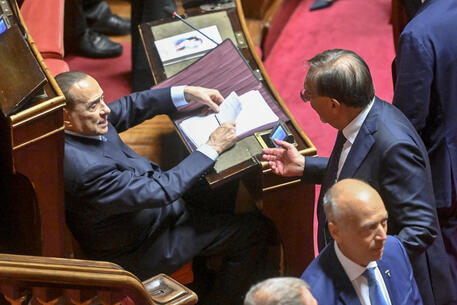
363	265
280	291
123	208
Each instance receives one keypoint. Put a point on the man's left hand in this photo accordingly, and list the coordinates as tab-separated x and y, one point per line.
204	96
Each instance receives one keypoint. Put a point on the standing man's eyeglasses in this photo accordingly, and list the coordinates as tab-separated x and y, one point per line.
304	95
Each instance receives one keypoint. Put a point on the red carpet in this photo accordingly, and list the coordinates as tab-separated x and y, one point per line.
113	74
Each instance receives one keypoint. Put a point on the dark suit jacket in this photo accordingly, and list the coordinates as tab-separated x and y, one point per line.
115	198
331	285
390	156
426	88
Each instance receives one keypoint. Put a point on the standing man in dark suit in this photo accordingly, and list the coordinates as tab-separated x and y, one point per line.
357	220
376	144
426	92
123	208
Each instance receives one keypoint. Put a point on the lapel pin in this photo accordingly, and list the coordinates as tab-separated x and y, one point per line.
387	272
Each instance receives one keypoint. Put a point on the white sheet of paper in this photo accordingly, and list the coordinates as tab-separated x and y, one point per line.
255	114
186	44
199	128
251	111
229	109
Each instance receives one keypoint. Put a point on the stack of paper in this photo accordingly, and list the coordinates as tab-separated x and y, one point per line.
249	111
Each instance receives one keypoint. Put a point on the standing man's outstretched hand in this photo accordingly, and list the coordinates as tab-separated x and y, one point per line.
285	160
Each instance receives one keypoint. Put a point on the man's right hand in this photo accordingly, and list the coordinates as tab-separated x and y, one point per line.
286	160
223	137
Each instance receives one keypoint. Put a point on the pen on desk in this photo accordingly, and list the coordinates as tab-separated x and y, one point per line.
217	119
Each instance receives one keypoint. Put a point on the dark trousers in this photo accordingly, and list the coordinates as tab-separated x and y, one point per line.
75	22
79	14
144	11
204	229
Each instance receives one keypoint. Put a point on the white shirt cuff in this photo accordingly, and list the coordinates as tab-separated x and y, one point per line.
208	151
177	96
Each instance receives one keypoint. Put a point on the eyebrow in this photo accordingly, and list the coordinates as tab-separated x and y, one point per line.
369	224
97	100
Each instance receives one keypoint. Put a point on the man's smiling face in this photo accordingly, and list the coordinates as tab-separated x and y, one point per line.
89	114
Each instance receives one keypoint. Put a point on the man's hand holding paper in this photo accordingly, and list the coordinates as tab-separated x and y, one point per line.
198	96
223	137
249	111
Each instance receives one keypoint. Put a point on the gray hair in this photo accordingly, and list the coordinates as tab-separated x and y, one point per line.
342	75
330	208
277	291
66	80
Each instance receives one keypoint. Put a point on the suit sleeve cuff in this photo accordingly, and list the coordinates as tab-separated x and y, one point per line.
208	151
177	96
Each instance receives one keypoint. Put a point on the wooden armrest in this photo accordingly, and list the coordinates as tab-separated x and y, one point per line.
21	274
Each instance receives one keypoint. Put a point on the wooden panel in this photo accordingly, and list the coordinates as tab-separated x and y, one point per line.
32	158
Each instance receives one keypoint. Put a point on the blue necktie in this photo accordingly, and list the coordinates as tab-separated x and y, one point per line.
376	296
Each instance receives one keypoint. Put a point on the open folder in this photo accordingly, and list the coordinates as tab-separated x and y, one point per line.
249	111
225	69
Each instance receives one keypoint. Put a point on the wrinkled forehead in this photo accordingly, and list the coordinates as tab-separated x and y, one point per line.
86	90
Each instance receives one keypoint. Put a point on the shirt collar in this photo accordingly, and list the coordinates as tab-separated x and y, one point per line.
353	270
352	129
98	137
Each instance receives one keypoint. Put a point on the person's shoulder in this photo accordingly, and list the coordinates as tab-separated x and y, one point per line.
320	279
392	241
79	155
394	249
315	272
392	125
432	15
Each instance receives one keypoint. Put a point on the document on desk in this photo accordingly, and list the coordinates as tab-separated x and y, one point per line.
187	45
249	111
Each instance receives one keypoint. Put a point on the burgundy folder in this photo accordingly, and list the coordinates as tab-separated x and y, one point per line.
225	69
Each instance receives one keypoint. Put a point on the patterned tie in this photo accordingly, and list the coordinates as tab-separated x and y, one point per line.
376	296
329	179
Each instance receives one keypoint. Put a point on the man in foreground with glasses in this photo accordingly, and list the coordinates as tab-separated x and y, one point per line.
376	143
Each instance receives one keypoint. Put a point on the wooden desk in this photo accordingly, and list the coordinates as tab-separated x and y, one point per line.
288	202
31	172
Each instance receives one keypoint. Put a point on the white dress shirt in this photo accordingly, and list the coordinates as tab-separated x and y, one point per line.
350	132
178	99
355	273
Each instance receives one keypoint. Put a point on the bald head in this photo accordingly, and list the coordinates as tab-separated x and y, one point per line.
349	198
357	220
